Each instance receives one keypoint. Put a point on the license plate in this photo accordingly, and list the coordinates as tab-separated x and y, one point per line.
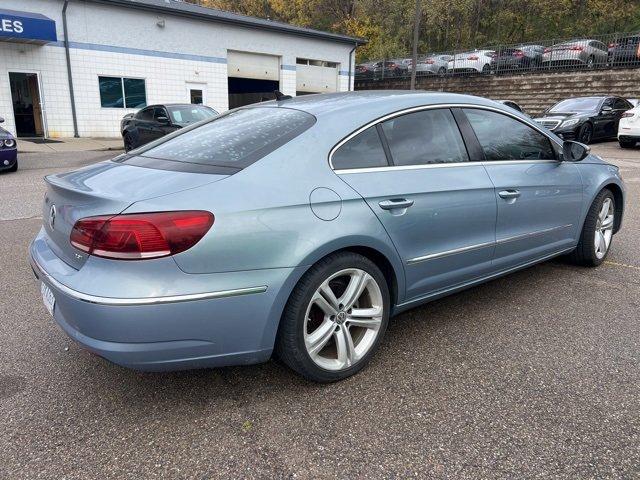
47	298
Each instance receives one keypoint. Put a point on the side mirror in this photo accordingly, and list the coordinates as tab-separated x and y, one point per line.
162	119
574	151
606	108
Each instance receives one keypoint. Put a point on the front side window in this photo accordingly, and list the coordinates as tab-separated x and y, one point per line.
429	136
362	151
235	139
505	138
118	92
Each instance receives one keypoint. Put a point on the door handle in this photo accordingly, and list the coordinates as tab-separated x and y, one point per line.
506	194
395	203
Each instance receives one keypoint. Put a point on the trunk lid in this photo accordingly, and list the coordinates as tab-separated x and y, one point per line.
105	188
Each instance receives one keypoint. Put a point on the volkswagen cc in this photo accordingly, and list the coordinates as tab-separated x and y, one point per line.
296	228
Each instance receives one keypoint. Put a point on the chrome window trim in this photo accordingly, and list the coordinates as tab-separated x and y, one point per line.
113	301
389	116
478	246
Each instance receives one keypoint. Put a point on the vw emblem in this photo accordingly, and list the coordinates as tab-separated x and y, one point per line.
52	216
342	316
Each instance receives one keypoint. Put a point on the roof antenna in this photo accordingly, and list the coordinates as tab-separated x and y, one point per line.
281	96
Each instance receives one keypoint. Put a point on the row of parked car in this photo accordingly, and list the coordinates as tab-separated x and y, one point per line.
586	53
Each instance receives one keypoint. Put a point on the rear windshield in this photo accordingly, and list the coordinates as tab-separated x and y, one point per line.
186	114
233	140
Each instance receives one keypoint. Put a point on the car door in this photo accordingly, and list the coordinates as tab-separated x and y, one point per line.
437	207
161	124
142	125
538	197
605	121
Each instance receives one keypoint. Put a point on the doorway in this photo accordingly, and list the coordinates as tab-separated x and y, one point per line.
195	93
244	91
27	105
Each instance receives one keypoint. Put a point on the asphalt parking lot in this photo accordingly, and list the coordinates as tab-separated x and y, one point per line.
535	375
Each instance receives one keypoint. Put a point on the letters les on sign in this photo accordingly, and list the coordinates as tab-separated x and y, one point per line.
26	27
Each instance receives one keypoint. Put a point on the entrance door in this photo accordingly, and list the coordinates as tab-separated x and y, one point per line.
195	93
27	106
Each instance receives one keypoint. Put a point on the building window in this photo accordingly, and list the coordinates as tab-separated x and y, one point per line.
117	92
316	63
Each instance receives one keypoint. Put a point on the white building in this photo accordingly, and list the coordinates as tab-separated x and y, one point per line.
121	54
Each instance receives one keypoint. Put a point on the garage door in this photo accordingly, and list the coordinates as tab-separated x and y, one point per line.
253	65
319	78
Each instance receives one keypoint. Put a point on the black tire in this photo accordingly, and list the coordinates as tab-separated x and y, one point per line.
585	252
486	69
290	347
591	62
627	143
14	168
585	134
442	72
128	142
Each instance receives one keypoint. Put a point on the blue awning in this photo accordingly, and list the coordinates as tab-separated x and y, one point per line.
26	27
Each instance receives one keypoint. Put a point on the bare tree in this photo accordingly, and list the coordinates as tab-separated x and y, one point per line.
416	36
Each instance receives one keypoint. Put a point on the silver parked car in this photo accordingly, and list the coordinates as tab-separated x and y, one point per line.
588	53
433	65
298	227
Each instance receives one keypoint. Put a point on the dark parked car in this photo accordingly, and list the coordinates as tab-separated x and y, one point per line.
391	68
625	51
8	150
365	70
523	57
156	121
586	118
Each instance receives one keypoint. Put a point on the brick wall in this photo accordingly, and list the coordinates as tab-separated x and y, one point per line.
533	92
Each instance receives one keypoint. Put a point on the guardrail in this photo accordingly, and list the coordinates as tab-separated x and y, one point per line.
620	50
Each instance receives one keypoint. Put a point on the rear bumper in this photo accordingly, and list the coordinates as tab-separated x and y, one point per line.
207	329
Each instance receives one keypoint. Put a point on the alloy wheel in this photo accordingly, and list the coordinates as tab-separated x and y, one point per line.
343	319
586	133
604	228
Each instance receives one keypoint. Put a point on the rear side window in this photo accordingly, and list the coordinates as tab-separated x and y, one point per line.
429	136
505	138
236	139
362	151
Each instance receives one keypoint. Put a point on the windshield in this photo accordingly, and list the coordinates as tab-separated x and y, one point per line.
186	114
576	105
235	139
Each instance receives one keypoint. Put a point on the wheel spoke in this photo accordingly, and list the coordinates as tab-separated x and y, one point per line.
356	286
326	291
344	345
319	337
602	243
367	318
604	210
324	305
607	222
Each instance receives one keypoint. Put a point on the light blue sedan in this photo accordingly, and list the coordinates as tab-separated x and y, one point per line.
297	227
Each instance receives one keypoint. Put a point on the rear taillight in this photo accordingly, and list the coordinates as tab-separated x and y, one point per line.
429	62
547	50
518	53
139	236
473	57
577	48
613	45
627	115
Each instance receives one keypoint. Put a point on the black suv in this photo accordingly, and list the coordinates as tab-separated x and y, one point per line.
586	118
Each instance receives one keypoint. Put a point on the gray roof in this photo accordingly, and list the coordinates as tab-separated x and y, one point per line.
174	7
